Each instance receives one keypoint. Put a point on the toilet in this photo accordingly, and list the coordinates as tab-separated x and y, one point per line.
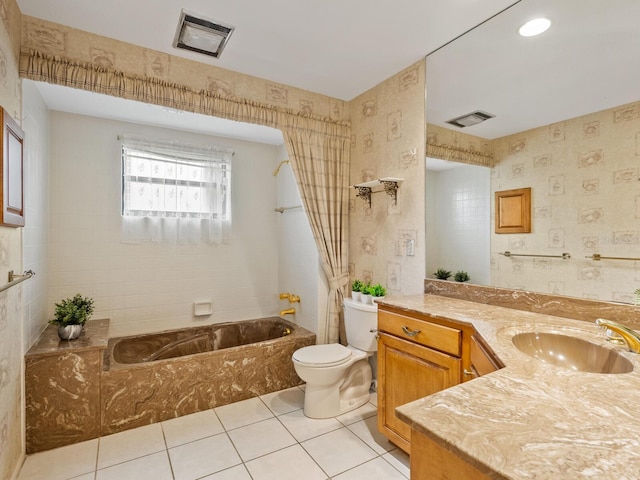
339	378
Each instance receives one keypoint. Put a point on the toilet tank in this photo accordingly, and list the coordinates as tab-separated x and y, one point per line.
359	320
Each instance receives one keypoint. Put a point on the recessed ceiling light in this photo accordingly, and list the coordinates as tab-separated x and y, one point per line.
534	27
201	35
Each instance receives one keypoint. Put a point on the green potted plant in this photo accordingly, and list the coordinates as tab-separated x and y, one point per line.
70	316
356	289
442	274
365	295
461	276
378	291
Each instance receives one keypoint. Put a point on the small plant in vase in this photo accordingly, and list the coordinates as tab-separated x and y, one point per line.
461	276
356	289
70	316
378	291
365	296
442	274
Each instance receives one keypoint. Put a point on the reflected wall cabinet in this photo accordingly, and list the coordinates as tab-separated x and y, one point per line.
12	172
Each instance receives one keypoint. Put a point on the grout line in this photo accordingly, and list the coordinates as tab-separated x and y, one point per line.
166	449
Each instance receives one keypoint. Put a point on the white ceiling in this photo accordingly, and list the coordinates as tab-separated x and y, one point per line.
586	62
335	47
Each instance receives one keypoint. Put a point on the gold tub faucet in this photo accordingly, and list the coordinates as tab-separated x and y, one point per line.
288	311
291	297
631	337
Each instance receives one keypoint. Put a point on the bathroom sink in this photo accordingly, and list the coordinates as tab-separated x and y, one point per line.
572	353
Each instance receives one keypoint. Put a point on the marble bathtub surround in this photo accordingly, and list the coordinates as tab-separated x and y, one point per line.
76	391
62	387
530	419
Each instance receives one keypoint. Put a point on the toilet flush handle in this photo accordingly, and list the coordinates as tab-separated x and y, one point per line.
375	332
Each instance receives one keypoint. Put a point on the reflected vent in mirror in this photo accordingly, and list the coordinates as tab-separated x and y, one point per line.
470	119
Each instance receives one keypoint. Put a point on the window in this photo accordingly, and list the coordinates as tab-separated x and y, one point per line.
175	188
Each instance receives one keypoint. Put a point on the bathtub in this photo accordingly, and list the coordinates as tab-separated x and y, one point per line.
155	377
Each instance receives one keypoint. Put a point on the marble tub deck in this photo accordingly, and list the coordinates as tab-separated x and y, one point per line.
531	420
75	393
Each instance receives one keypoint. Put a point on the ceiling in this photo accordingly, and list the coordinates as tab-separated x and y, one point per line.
334	47
586	62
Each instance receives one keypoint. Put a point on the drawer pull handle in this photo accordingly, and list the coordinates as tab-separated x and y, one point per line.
469	373
410	333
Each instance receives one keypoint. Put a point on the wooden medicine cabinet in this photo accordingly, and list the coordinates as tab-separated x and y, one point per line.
513	211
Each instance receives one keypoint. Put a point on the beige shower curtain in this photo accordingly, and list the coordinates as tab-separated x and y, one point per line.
318	148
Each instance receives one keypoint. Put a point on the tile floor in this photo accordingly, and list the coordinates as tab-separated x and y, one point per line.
263	438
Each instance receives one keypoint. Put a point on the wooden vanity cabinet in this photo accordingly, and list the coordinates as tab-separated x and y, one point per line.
483	360
416	357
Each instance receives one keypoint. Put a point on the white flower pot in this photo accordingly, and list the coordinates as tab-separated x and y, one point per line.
70	332
355	296
366	298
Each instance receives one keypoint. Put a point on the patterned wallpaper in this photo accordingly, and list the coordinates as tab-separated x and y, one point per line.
585	180
53	39
11	333
388	140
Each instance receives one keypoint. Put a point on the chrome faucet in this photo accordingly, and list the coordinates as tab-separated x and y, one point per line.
631	337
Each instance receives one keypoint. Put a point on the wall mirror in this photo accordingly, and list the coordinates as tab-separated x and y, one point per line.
567	124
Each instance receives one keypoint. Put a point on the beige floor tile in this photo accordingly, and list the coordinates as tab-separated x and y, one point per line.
203	457
188	428
284	401
367	431
376	469
338	451
260	438
399	460
292	463
243	413
365	411
130	444
239	472
155	466
304	428
86	476
61	463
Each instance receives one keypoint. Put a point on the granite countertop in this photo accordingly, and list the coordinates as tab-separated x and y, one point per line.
529	419
94	336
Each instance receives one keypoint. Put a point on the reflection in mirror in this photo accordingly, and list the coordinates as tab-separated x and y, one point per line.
567	124
458	203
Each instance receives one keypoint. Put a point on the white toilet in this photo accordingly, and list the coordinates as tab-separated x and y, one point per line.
338	377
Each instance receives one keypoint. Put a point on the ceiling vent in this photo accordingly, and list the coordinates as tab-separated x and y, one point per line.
201	35
470	119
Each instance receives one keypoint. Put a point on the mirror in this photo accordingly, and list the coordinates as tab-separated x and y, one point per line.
567	124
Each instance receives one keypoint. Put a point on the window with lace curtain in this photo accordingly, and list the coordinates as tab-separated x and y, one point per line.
174	192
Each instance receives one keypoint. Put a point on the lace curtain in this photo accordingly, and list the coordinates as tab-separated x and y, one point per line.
175	193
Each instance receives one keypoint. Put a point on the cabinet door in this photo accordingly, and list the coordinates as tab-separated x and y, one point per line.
407	372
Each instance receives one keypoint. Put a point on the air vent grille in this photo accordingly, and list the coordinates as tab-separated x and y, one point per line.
470	119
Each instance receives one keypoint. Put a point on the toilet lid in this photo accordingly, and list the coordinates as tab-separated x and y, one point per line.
322	355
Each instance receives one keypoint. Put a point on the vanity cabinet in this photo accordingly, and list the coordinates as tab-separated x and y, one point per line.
416	357
483	360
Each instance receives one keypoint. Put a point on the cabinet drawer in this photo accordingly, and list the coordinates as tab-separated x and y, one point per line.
429	334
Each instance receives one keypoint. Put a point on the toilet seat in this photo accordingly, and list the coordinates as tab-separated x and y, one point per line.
329	355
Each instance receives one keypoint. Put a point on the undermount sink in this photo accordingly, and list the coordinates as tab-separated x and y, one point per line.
572	353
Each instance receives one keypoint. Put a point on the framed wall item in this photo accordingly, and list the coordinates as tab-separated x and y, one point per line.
12	183
513	211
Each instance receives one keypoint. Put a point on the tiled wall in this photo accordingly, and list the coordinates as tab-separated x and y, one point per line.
144	288
585	180
388	140
299	270
458	221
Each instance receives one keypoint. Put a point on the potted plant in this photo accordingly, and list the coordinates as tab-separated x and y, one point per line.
70	316
461	276
442	274
378	291
365	296
356	289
